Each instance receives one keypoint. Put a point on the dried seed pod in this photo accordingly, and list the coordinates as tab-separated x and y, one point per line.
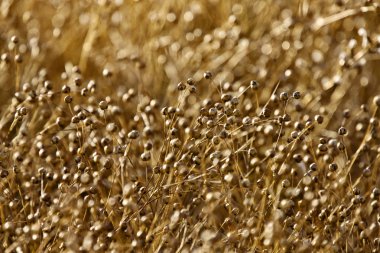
376	100
107	72
108	163
297	158
68	99
342	131
285	183
55	139
265	113
145	156
260	183
4	173
181	86
215	140
190	81
207	75
226	97
148	145
75	120
103	105
347	113
246	183
319	119
84	92
254	84
284	96
18	58
294	134
313	167
296	95
367	172
66	89
193	89
23	111
78	81
15	39
333	166
175	143
247	121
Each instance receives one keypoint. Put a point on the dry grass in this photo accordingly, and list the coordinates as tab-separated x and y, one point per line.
189	126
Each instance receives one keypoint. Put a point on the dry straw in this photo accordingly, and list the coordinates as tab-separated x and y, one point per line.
189	126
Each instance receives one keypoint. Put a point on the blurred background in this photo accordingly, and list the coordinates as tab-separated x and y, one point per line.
328	49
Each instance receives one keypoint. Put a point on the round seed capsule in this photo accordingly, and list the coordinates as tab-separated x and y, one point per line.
376	100
181	86
367	172
190	81
215	140
284	96
207	75
226	97
14	39
55	139
252	151
4	173
347	113
319	119
66	89
285	183
254	84
193	89
18	58
84	92
265	113
107	73
247	121
78	81
246	183
342	131
68	99
145	156
23	111
103	105
333	166
296	95
134	134
313	167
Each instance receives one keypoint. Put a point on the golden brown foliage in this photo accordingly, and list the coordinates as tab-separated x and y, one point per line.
181	126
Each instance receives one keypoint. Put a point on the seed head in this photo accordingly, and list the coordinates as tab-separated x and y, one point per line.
134	134
254	84
342	131
193	89
23	111
65	89
190	81
103	105
18	58
319	119
296	95
4	173
333	166
106	72
376	100
207	75
284	96
181	86
14	39
68	99
226	97
78	81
